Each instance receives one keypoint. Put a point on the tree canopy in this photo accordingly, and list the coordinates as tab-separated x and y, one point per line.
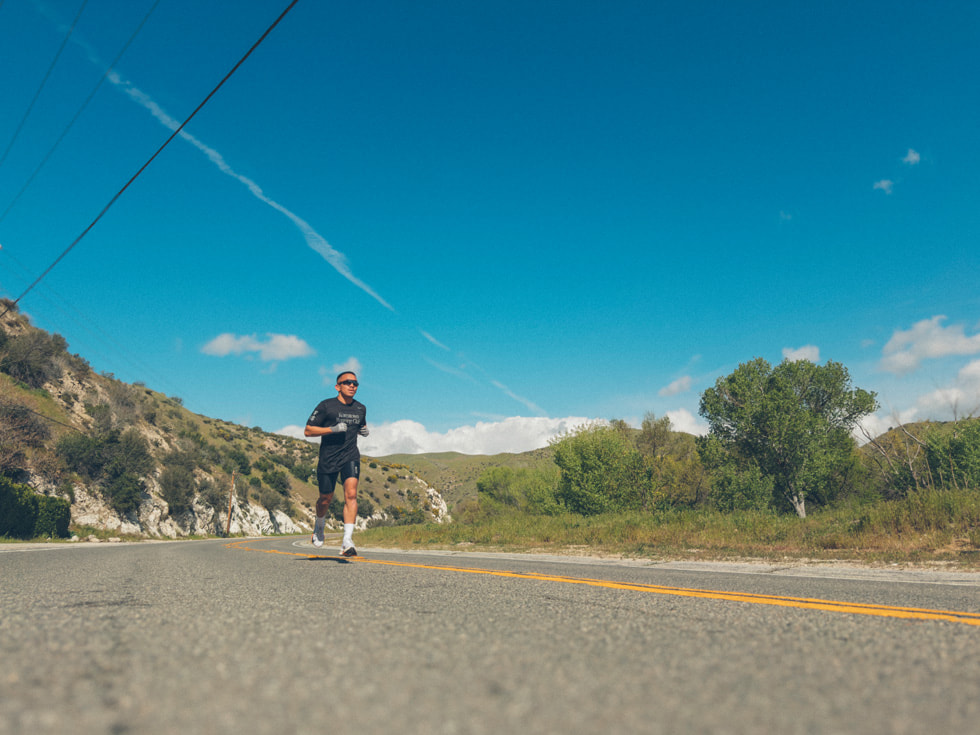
788	424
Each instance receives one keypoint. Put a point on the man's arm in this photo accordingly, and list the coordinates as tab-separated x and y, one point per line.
324	430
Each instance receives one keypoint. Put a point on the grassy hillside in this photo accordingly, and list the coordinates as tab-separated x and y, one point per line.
66	430
455	474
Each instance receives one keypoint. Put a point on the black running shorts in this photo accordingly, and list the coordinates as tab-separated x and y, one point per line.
328	480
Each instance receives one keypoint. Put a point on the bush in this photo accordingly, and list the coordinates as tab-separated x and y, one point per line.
124	492
24	514
954	456
115	461
53	517
524	490
271	500
18	509
178	486
277	480
601	470
30	357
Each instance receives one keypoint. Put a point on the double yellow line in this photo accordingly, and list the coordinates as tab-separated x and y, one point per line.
854	608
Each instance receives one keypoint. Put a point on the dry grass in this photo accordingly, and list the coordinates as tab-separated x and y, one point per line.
929	526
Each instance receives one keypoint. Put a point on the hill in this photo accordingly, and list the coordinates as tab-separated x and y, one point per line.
134	461
456	474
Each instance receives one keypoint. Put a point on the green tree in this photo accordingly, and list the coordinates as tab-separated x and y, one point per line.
792	422
600	470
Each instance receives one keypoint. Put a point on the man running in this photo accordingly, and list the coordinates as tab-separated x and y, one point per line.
338	422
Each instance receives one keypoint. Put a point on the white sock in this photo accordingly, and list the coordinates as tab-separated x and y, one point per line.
348	532
320	523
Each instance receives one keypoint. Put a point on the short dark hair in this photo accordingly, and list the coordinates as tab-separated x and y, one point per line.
346	372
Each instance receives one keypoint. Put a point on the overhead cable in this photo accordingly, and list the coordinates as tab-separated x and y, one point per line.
79	112
151	159
43	82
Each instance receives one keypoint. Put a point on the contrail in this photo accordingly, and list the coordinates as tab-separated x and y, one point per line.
314	239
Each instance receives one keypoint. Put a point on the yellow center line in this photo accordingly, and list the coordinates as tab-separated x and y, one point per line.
855	608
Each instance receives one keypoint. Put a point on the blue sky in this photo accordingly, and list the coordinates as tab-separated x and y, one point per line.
509	217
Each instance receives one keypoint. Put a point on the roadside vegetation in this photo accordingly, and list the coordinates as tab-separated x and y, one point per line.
779	475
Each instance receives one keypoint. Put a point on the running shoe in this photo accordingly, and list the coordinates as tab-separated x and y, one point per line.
348	550
317	539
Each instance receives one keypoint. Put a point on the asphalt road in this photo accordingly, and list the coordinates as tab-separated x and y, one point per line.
273	636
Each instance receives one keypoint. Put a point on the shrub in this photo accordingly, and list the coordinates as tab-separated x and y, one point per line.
30	357
53	517
177	486
271	500
124	492
277	480
18	509
601	470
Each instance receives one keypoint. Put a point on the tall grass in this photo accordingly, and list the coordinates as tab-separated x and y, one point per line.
941	525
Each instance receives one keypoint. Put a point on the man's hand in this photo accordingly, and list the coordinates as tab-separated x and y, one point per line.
364	430
339	428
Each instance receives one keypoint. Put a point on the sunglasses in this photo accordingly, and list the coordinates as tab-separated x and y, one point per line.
348	382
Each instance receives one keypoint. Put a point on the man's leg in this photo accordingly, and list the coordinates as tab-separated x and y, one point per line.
350	516
350	500
323	504
326	482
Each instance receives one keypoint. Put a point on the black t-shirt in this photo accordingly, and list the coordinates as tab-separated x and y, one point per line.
338	449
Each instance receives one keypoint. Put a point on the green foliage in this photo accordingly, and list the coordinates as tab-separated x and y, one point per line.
115	461
24	514
124	492
953	456
82	453
277	480
18	509
524	490
303	472
178	487
212	496
735	485
600	470
271	500
791	422
53	517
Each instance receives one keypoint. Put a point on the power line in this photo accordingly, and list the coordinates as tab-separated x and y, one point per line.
79	112
151	159
43	82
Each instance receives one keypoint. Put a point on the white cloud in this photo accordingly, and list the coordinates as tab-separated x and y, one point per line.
960	399
514	434
681	385
351	364
912	157
927	339
684	420
886	185
806	352
274	347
